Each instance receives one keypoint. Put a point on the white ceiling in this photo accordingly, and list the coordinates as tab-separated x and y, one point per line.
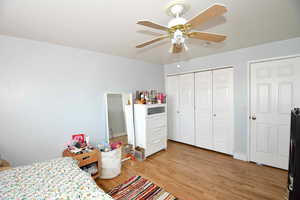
109	26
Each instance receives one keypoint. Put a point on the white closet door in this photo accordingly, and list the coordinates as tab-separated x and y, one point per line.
275	90
173	107
186	102
203	110
223	110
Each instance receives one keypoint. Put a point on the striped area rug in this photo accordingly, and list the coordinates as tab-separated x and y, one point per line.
138	188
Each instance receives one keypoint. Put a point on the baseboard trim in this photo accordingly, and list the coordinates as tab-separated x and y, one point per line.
240	156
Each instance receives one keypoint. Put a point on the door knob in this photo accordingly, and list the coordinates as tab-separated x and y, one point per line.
177	112
214	115
253	117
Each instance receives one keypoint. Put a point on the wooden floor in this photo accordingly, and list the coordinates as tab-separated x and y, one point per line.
192	173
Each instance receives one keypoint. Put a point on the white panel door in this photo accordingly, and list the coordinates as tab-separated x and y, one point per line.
223	110
186	104
275	90
173	107
203	110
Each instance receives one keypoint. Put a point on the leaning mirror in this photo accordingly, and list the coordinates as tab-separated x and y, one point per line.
119	117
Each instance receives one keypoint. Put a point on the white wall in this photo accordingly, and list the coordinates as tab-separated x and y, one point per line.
239	60
48	92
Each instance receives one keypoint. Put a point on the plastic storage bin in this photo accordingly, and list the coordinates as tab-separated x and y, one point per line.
111	163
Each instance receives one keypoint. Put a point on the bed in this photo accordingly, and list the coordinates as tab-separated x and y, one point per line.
59	179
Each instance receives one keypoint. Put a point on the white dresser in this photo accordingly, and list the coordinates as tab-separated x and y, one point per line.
150	123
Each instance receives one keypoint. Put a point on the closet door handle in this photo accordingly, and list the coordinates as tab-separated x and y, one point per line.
214	115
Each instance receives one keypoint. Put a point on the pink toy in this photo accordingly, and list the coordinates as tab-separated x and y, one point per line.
115	145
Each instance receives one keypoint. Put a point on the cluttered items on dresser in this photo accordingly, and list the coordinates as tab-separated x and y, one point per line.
80	143
149	97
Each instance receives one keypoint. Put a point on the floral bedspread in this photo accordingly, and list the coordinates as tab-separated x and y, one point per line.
59	179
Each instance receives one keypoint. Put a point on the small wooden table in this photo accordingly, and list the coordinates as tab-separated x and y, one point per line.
4	165
85	159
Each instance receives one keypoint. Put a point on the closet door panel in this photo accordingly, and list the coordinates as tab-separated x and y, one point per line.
223	110
173	107
186	102
203	110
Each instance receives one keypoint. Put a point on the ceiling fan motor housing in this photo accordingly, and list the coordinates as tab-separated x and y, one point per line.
177	21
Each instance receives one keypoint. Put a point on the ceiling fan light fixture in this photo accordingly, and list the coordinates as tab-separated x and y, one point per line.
178	37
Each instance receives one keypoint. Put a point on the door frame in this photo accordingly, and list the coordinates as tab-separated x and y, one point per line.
248	154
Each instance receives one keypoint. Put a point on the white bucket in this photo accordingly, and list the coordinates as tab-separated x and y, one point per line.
111	163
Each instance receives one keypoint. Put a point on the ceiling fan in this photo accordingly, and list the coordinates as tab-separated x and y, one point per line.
179	28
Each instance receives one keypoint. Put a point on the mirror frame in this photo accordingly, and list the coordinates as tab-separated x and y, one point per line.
131	116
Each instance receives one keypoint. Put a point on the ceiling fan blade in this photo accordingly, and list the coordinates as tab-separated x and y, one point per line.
207	36
176	48
214	11
153	25
152	41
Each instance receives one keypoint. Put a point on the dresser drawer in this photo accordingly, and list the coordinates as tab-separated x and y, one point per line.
157	121
156	133
86	158
156	145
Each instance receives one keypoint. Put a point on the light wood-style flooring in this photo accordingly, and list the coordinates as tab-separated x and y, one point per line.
191	173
